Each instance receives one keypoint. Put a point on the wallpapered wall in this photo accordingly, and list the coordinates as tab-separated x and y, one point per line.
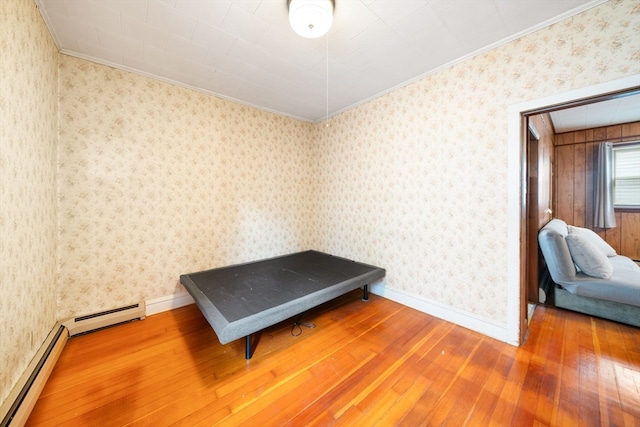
416	181
28	127
156	180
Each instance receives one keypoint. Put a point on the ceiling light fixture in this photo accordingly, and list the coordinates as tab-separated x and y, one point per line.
311	18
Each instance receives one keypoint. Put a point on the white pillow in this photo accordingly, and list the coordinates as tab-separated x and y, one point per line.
595	240
588	258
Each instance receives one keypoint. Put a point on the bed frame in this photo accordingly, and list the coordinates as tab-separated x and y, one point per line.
240	300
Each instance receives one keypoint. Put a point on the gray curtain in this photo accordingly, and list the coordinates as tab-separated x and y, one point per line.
604	216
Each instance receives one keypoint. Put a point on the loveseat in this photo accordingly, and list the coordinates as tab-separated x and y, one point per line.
588	275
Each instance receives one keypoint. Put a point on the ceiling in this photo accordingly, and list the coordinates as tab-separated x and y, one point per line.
245	50
621	109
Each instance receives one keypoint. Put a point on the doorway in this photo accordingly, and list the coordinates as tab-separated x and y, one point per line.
533	160
521	238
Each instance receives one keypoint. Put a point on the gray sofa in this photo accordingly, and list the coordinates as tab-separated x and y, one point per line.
611	290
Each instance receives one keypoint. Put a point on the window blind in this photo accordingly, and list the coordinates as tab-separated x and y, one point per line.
626	176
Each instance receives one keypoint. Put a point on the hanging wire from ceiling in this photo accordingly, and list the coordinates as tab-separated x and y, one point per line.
327	79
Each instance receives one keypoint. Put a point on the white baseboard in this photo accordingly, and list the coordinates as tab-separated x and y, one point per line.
417	302
450	314
169	302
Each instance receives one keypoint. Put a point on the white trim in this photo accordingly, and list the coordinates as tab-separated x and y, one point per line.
514	183
514	186
580	9
568	14
177	83
169	302
450	314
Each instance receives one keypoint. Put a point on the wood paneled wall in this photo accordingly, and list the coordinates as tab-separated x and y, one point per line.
573	195
539	172
544	161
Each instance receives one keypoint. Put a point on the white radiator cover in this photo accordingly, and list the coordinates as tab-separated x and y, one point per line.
103	319
22	398
16	409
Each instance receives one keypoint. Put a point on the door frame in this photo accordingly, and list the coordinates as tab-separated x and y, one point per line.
517	190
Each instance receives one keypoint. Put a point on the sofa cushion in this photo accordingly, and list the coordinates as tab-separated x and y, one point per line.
556	252
588	257
594	239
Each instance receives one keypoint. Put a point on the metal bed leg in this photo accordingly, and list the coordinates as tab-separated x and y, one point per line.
247	347
365	293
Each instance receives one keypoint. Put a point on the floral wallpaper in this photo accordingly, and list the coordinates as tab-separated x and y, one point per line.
156	181
416	180
28	127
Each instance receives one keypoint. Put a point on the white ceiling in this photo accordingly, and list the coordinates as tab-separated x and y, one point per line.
245	50
624	109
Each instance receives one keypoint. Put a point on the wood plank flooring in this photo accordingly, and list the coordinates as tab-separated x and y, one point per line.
374	363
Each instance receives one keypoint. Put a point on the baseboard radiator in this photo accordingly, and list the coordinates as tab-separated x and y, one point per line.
16	409
18	405
104	319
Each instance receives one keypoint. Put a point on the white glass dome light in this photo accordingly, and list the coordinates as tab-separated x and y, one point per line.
311	18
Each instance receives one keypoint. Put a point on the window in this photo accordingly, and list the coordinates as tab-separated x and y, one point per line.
626	175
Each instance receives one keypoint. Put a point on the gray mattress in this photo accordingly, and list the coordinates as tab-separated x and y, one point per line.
240	300
622	287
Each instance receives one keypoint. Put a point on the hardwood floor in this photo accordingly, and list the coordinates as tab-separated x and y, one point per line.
374	363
